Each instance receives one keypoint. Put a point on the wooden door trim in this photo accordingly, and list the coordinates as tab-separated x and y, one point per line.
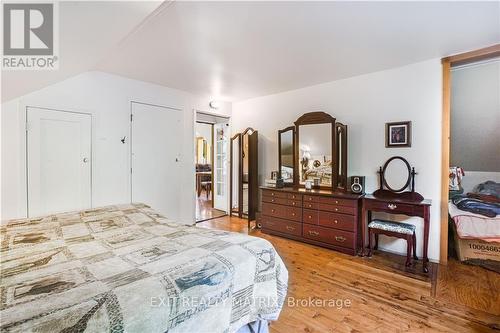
473	56
447	63
445	161
212	162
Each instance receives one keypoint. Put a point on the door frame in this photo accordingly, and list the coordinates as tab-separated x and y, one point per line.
195	120
447	63
26	150
212	162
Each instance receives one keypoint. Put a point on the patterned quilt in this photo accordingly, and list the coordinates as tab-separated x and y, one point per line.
128	269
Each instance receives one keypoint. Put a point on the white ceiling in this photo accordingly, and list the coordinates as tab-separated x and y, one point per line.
239	50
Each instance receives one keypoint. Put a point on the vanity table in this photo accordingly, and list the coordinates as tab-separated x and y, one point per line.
396	199
389	205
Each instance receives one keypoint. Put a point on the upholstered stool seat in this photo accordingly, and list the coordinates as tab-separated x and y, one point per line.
399	227
394	229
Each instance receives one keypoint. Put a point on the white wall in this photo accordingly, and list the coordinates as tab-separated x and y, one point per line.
475	117
365	103
473	178
108	98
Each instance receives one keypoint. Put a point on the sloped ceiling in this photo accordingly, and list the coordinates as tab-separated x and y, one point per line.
239	50
88	31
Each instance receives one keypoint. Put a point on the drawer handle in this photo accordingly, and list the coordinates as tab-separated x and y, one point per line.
290	228
293	214
293	203
309	206
272	210
310	199
335	221
336	209
272	200
340	238
272	193
309	217
392	206
336	202
313	233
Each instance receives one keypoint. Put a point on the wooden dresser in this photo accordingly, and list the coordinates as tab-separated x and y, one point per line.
320	217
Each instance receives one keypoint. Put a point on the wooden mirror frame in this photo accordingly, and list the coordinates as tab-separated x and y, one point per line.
253	185
407	192
237	137
384	179
313	118
284	130
342	147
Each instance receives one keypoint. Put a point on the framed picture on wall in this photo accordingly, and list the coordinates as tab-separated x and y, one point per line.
398	134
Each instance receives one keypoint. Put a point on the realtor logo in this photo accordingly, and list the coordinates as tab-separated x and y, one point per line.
29	36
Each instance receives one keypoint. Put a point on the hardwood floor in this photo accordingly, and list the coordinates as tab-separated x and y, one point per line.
456	298
204	209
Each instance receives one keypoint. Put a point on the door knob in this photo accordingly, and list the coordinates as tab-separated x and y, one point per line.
85	159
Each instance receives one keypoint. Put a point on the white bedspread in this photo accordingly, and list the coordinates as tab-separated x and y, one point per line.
474	226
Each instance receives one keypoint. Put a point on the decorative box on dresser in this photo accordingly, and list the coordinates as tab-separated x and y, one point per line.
320	217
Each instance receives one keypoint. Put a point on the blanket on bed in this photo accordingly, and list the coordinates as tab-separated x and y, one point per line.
128	269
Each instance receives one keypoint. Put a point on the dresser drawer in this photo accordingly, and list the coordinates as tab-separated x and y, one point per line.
310	205
276	194
294	213
337	209
338	202
310	198
276	200
392	207
294	203
280	225
269	209
293	196
337	221
310	216
330	236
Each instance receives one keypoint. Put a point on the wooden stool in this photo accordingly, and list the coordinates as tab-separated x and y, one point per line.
394	229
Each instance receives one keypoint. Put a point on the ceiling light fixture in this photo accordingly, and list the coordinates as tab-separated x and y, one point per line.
214	105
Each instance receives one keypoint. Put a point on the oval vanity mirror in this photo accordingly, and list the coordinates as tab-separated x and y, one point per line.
396	174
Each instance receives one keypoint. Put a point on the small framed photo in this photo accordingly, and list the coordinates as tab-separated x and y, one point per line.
398	134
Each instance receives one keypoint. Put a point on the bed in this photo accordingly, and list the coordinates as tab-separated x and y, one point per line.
322	170
125	268
475	223
474	226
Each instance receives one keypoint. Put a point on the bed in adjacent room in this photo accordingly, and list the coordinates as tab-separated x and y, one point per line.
127	268
476	225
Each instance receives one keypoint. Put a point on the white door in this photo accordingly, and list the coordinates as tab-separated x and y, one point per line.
156	145
220	166
59	161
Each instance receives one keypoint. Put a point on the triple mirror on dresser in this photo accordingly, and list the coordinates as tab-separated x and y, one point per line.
314	150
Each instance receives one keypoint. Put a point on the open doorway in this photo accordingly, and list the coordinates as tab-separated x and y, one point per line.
470	144
211	166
